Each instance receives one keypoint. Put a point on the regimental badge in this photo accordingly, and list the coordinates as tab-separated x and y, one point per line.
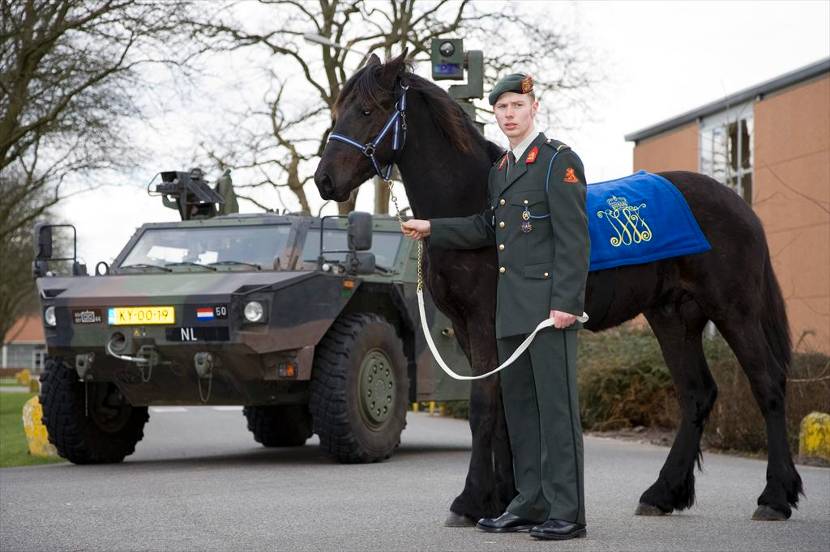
570	177
527	84
503	162
531	157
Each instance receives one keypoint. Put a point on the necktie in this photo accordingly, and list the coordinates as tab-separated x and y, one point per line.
511	162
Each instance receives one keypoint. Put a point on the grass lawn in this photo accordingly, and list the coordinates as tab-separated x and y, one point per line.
13	448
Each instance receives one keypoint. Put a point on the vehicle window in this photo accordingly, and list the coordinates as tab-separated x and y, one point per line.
246	244
384	246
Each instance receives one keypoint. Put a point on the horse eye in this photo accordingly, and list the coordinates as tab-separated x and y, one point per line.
367	112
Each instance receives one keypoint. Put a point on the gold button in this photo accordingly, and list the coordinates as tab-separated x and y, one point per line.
546	274
502	269
525	202
501	247
501	224
501	201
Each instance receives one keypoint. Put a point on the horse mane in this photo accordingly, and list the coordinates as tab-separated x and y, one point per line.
446	114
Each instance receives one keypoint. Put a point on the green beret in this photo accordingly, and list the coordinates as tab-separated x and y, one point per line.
519	83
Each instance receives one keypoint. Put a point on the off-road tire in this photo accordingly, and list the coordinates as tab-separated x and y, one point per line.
279	426
343	428
77	435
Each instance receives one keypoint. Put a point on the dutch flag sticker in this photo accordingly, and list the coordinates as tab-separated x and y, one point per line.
204	313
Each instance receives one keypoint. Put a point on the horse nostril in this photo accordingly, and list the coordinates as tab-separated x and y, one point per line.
325	185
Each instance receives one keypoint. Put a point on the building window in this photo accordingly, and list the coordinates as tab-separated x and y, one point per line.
38	359
726	149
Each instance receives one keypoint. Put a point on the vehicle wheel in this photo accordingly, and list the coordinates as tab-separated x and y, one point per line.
89	423
279	426
359	389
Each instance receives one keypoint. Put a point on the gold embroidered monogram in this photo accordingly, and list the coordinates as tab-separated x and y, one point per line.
626	221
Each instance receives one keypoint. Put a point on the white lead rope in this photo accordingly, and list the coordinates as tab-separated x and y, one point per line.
546	323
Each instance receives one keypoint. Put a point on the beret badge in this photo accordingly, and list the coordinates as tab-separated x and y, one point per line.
527	84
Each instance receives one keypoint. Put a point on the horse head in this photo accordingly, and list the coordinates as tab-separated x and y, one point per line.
363	109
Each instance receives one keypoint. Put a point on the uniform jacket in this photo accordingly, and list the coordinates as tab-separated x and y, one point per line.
539	270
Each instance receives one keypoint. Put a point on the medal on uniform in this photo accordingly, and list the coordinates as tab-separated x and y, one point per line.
526	226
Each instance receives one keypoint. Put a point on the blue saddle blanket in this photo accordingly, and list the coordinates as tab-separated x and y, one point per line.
639	219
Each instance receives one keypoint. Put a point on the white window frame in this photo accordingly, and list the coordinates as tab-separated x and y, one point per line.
722	119
38	352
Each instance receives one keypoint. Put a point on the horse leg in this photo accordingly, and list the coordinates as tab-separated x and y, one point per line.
768	379
679	329
489	485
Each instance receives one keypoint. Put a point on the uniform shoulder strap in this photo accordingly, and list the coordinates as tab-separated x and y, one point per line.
557	145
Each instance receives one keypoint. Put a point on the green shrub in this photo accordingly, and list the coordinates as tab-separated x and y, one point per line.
736	421
623	381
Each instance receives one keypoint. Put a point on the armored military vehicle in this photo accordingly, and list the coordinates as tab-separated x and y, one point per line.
310	323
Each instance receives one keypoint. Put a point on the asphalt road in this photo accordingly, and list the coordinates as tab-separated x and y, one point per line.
199	482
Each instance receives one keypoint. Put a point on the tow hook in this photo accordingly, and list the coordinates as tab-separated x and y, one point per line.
147	358
204	363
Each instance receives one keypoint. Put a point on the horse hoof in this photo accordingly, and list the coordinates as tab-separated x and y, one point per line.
765	513
457	520
644	509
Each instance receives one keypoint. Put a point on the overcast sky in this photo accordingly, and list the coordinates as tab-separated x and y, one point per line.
660	58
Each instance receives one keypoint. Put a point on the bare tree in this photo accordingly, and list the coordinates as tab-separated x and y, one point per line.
300	109
69	78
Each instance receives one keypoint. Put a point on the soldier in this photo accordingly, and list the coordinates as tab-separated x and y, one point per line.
537	221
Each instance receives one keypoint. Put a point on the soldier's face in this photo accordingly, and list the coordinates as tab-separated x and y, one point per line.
515	113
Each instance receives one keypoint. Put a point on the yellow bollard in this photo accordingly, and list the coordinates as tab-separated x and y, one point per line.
36	434
814	437
431	408
415	407
442	409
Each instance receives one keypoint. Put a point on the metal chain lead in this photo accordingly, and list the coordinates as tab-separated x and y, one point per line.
420	242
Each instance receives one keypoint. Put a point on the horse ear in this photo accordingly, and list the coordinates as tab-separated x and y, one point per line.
394	68
373	60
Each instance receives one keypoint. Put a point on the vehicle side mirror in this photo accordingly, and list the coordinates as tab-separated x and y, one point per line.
360	262
359	235
43	241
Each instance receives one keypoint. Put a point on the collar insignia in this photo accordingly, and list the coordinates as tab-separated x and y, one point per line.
503	162
531	157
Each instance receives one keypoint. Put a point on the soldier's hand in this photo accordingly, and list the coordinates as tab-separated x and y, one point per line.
416	229
562	319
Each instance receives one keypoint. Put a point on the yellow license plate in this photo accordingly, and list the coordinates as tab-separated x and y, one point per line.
138	316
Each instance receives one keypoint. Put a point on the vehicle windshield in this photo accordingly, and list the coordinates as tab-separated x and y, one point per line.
384	246
256	245
242	244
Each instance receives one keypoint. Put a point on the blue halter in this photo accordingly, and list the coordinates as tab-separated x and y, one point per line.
397	122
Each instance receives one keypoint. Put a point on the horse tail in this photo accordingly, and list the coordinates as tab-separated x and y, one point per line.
774	318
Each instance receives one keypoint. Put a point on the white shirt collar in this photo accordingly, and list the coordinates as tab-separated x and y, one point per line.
522	146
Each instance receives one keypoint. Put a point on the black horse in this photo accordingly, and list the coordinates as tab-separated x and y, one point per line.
444	163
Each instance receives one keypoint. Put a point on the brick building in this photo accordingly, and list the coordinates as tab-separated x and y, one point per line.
771	144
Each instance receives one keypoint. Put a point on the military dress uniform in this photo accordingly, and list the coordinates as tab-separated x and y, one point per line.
537	221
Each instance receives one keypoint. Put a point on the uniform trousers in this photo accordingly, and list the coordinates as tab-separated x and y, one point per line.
541	405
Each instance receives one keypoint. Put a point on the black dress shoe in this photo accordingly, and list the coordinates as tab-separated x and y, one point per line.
557	529
505	523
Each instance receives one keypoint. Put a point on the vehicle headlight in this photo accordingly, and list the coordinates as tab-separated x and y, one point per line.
49	316
254	311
